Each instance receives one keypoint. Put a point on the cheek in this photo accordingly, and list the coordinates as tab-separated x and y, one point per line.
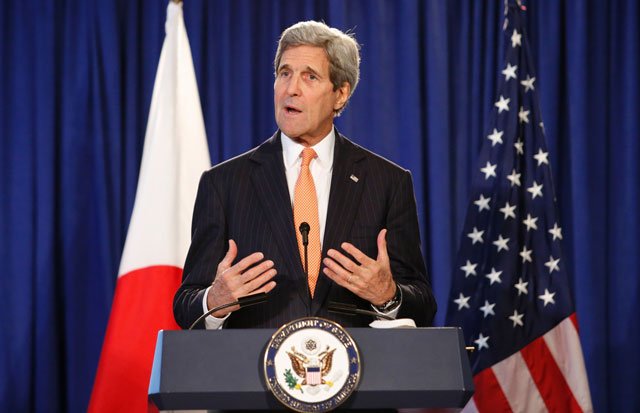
278	90
327	107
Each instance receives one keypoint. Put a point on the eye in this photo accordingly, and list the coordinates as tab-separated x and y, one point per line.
312	76
284	73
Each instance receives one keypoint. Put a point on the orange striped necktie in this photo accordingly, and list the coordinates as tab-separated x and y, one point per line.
305	209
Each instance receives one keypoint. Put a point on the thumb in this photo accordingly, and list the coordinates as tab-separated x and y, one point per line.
231	255
382	246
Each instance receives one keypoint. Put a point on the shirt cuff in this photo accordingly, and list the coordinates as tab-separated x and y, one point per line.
211	322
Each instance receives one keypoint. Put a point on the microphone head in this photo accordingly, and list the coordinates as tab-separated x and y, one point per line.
304	227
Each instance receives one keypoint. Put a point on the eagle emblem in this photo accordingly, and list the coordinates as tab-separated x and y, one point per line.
311	369
311	365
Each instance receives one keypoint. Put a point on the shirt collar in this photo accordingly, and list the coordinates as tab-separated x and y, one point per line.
324	149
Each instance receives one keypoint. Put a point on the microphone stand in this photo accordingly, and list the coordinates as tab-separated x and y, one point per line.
306	261
351	309
245	301
304	232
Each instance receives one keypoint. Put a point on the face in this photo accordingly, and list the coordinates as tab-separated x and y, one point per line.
303	95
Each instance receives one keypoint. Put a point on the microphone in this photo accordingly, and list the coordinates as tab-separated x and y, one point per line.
304	231
243	302
351	309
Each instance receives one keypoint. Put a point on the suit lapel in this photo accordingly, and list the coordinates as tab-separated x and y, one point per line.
347	183
270	183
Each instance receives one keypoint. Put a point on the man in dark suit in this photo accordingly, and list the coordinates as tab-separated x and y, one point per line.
364	242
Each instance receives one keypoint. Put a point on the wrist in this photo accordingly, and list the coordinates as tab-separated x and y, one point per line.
213	300
392	303
210	298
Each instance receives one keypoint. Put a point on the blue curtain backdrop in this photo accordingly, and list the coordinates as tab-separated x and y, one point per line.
75	86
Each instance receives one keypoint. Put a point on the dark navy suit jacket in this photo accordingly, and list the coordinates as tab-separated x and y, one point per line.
247	199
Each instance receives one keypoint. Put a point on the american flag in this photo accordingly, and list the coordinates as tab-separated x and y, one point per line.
510	291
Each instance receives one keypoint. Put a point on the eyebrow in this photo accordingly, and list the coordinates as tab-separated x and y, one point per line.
306	69
313	71
283	66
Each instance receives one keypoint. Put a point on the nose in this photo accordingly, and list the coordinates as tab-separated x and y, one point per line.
293	86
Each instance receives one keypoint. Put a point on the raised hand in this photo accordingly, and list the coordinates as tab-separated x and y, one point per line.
235	281
367	278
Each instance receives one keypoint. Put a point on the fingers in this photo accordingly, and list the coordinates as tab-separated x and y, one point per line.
254	285
336	271
360	256
249	275
256	273
242	280
366	277
267	287
339	275
247	262
229	257
382	246
340	279
348	264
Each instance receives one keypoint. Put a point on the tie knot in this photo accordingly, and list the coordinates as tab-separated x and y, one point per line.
307	155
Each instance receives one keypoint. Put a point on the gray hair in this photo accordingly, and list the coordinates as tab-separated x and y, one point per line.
341	48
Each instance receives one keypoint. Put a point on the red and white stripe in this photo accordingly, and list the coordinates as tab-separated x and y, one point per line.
175	155
546	375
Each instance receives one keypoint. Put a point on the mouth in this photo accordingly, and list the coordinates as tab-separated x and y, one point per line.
291	110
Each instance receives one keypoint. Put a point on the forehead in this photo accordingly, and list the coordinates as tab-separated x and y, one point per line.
299	57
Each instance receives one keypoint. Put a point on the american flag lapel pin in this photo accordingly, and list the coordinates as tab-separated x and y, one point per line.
354	178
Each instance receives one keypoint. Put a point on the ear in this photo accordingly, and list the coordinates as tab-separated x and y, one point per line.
342	95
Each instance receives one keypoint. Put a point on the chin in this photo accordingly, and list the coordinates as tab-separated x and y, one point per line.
290	131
